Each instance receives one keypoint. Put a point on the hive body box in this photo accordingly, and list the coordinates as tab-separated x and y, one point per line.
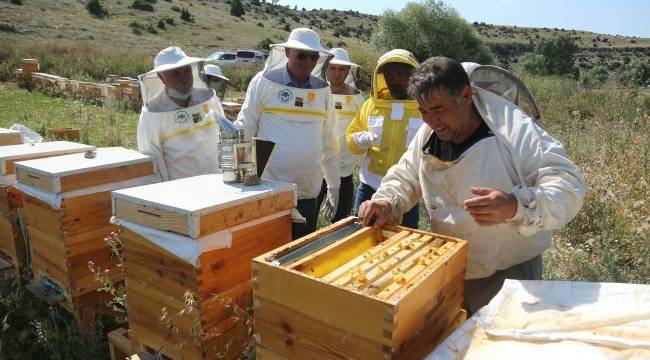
67	204
10	137
12	244
188	248
378	293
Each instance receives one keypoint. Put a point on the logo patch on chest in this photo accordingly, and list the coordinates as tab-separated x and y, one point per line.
196	118
285	96
181	117
299	102
338	105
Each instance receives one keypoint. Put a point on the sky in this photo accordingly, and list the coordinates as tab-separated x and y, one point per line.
613	17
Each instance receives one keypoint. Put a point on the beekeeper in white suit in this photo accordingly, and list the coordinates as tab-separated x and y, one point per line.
487	173
290	104
178	124
341	73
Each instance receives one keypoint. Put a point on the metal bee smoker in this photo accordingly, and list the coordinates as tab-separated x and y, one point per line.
242	159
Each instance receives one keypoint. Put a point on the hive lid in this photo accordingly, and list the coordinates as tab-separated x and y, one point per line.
78	171
12	153
180	204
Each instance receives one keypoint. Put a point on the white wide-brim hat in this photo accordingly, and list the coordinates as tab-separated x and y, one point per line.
214	70
171	58
341	57
303	39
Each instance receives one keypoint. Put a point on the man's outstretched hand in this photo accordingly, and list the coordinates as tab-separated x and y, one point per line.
491	206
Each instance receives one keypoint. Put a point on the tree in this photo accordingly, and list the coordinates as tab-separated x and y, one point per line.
551	56
428	29
236	8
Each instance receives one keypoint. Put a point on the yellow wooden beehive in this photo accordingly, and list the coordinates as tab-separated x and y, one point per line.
188	248
10	137
359	293
12	243
67	204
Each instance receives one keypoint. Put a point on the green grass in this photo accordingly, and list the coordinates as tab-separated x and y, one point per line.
99	126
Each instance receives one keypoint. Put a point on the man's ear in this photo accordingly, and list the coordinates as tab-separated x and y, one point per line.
467	94
287	52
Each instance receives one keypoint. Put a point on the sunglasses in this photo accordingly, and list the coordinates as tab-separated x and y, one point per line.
311	56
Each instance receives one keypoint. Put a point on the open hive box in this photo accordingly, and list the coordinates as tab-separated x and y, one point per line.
188	248
12	244
10	137
67	204
349	291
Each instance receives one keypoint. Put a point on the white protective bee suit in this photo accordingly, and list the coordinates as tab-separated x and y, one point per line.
182	140
300	121
346	107
521	158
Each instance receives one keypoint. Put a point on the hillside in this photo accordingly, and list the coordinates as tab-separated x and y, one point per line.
213	28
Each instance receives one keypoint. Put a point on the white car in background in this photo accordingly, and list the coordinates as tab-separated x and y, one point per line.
223	58
246	57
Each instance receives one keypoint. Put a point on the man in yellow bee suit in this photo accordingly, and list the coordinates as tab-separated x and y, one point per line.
385	125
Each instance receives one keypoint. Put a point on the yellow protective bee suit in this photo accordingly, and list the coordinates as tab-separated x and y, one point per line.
395	122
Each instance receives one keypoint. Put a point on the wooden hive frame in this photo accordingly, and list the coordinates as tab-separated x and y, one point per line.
65	239
379	293
186	310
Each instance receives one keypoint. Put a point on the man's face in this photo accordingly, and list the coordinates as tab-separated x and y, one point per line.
397	76
179	79
301	62
448	117
336	74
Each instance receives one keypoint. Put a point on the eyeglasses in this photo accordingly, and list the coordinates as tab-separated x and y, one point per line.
311	56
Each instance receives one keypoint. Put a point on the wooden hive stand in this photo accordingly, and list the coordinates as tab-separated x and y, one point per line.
13	245
188	247
119	344
384	292
67	204
10	137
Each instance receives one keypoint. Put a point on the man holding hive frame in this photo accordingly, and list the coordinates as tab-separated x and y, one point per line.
488	174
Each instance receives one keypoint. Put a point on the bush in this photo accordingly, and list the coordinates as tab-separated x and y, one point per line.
176	8
96	9
186	16
430	28
551	56
264	44
142	5
161	24
236	8
636	73
260	24
17	2
169	20
595	76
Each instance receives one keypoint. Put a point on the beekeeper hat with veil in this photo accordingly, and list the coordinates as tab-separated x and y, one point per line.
174	79
302	39
341	57
180	115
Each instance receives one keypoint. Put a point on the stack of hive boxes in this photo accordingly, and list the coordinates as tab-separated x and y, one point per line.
188	248
10	137
367	293
12	243
67	205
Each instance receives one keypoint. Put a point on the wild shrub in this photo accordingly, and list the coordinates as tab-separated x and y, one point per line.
186	16
551	56
143	5
96	9
430	28
236	8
